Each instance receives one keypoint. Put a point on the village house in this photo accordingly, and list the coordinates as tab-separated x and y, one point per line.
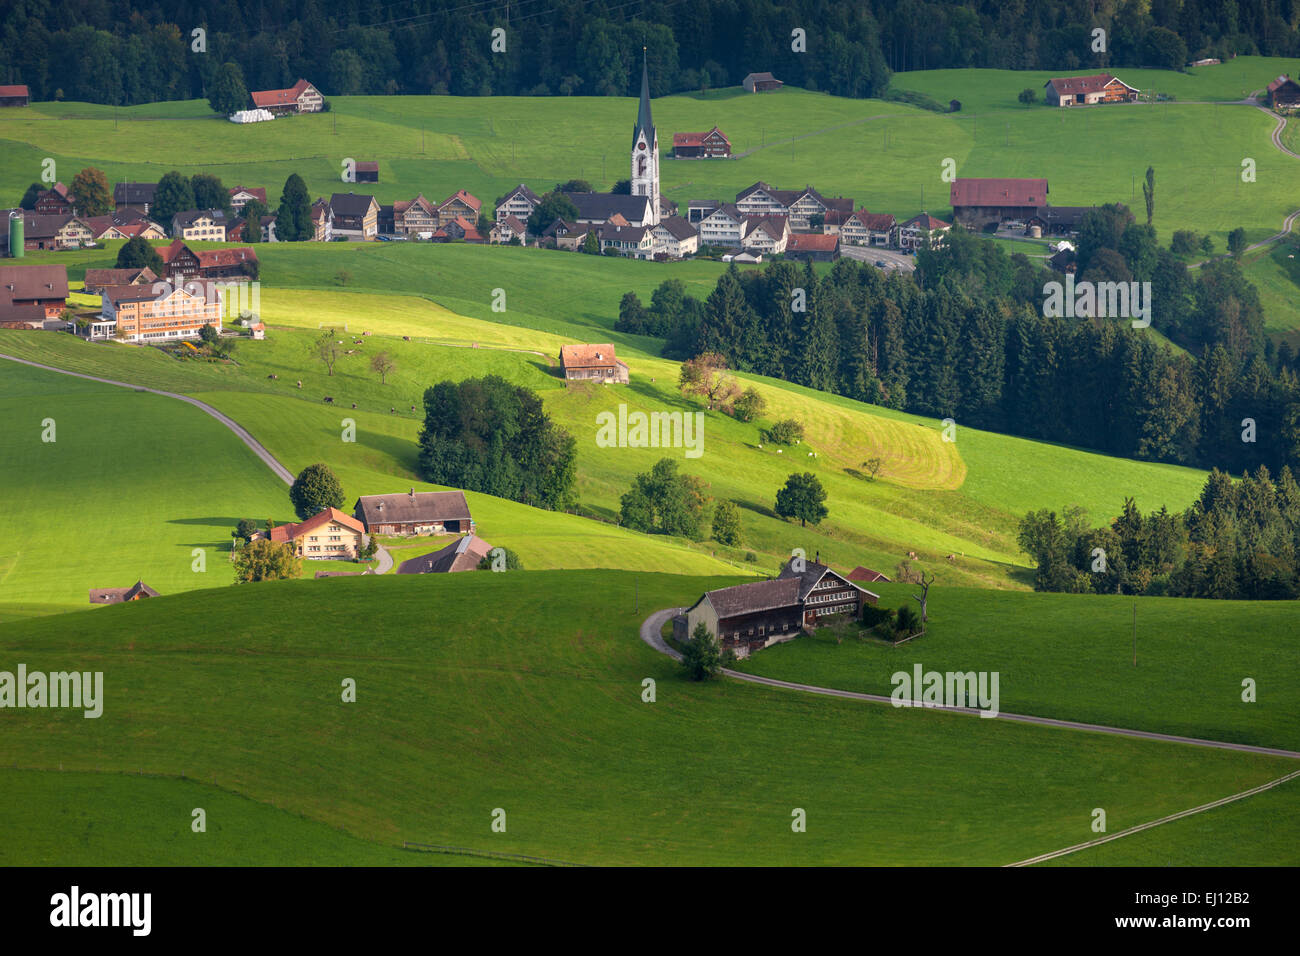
749	617
125	224
15	96
181	263
241	195
1088	90
597	208
32	296
302	97
415	513
200	225
416	218
329	534
802	206
99	279
567	235
59	231
134	195
459	229
367	172
322	221
1055	220
459	204
592	363
813	247
675	238
635	242
920	232
55	201
1283	94
761	83
710	145
519	202
148	314
862	228
135	592
509	229
978	202
235	231
765	235
356	217
464	554
698	209
724	226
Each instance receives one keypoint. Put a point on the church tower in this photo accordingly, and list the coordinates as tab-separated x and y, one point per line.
645	149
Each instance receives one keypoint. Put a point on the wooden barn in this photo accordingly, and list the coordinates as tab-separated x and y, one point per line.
1284	93
1088	90
592	363
415	513
710	145
976	202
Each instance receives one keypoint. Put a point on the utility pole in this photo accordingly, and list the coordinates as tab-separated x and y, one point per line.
636	595
1135	633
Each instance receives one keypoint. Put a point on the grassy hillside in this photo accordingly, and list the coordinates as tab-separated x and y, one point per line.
517	691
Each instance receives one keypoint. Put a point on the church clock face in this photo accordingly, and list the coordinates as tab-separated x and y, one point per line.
640	145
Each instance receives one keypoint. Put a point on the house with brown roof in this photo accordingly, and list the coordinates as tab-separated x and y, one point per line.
813	247
919	232
711	145
356	216
31	296
519	202
416	217
761	83
867	575
1283	94
157	312
98	279
459	229
241	195
135	592
461	555
322	221
328	534
459	204
17	95
567	235
55	201
675	238
748	617
803	206
509	229
181	263
415	513
592	363
977	202
302	97
58	231
863	228
1088	90
367	171
765	235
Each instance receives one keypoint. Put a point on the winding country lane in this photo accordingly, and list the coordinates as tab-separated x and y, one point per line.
652	625
271	461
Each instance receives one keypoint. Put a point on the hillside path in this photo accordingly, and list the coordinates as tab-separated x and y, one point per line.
241	433
650	634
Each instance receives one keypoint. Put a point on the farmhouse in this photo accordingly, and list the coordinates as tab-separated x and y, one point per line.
862	228
592	363
801	205
135	592
367	172
1284	93
302	97
462	555
30	296
235	231
1088	90
509	229
55	201
356	217
241	195
194	225
977	202
137	195
459	229
519	202
59	231
724	226
920	231
124	224
675	238
749	617
415	513
149	313
597	208
98	279
567	235
710	145
761	83
329	534
322	221
765	235
14	96
459	205
636	242
416	217
181	263
813	247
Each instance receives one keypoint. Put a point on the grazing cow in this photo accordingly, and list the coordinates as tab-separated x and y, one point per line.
354	404
780	450
912	555
300	383
406	338
329	399
392	411
412	408
951	559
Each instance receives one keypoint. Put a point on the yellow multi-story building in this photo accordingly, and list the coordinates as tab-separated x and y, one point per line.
157	312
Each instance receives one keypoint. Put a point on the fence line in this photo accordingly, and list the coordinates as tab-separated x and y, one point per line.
488	854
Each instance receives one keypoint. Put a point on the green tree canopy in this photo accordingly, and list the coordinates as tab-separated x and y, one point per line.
315	489
802	497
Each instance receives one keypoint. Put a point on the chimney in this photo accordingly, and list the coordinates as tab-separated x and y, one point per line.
817	559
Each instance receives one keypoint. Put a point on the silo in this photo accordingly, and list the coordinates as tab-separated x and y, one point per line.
15	235
1035	232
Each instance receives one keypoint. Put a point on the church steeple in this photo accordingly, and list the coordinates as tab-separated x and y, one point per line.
644	122
645	148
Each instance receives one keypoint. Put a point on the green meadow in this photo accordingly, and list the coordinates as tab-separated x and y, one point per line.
516	691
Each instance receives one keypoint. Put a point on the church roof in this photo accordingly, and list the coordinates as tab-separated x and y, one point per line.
644	121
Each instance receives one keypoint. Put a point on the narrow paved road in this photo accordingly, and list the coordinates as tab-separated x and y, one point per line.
654	623
385	561
281	472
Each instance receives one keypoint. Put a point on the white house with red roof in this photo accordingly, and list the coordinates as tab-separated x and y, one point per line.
302	97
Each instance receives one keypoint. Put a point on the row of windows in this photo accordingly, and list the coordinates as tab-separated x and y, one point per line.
735	635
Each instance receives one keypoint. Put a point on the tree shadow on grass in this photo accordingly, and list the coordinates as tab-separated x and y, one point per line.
757	508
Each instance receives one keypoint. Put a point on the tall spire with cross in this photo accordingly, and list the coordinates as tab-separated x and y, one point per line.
645	147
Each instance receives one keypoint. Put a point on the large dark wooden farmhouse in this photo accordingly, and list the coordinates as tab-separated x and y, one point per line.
1284	93
415	513
749	617
976	202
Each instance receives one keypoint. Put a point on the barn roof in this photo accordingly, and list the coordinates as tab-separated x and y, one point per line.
998	192
413	507
463	554
588	356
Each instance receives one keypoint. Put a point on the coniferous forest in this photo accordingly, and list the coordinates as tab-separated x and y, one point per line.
123	52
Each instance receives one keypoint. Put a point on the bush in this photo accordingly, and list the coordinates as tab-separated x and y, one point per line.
749	405
907	621
701	657
785	432
873	614
315	489
512	562
751	557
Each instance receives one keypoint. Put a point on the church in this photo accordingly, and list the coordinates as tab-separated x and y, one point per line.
643	208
